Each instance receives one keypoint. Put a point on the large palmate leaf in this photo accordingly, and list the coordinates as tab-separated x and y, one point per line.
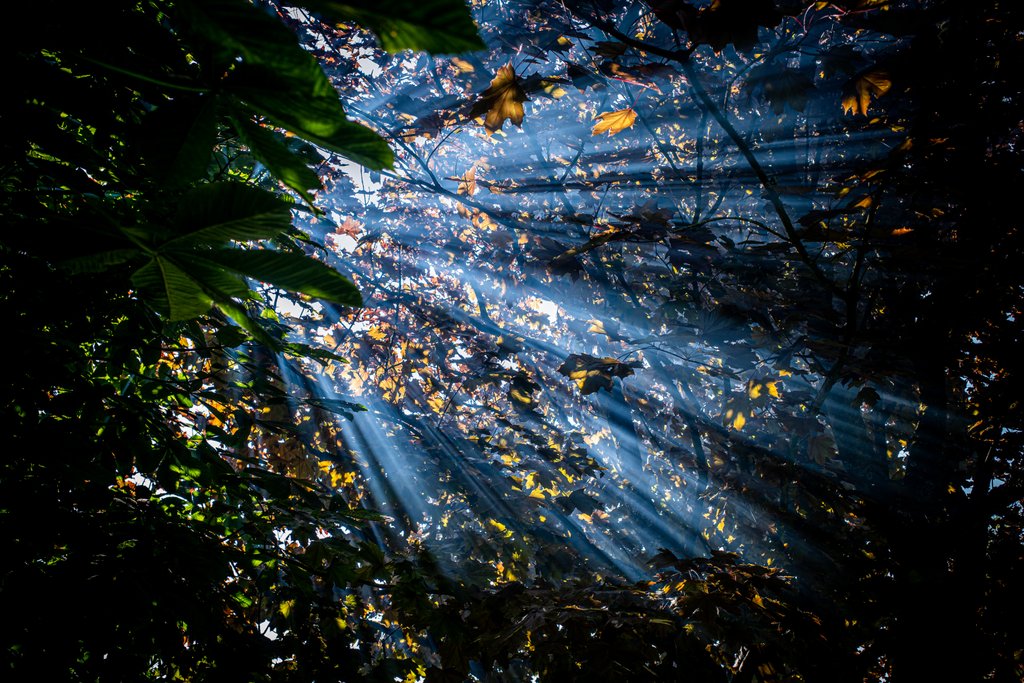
271	150
301	104
277	79
95	263
237	28
298	97
170	290
357	143
437	26
294	272
218	213
182	285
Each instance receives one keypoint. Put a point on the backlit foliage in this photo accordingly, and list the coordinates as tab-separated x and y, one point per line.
698	371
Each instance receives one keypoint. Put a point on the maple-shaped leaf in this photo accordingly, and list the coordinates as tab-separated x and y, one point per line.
646	221
467	183
502	101
860	90
613	122
350	227
592	374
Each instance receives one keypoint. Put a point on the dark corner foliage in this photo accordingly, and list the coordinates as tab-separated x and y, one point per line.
512	340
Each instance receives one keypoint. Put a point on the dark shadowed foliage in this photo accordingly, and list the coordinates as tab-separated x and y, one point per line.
512	340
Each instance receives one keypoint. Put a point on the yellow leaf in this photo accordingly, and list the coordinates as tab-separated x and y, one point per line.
521	396
502	101
467	183
870	84
437	403
462	65
739	421
553	90
613	122
285	608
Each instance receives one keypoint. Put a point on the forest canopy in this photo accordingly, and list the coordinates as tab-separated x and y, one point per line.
512	340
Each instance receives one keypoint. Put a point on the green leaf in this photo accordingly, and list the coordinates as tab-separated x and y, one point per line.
314	116
346	409
322	356
269	147
358	514
297	97
237	28
294	272
170	290
357	143
149	282
437	26
242	318
94	263
182	285
215	281
230	336
218	213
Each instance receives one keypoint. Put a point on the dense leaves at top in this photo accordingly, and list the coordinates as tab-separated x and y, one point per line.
699	371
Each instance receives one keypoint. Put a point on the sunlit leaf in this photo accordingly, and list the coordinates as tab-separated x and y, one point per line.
294	272
270	148
502	101
859	92
613	122
592	374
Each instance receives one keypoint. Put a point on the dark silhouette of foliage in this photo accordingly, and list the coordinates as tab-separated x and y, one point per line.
703	370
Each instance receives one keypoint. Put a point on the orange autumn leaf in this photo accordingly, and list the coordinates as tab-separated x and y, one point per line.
612	122
350	227
502	101
860	91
